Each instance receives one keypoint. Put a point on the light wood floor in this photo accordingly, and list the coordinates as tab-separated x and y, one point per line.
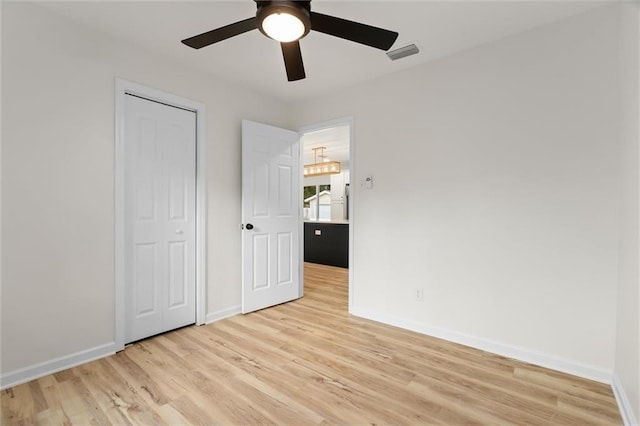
302	363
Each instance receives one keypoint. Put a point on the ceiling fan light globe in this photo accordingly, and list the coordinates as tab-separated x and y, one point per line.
283	27
284	21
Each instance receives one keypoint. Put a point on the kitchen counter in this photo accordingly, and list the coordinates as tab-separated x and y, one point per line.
338	222
327	243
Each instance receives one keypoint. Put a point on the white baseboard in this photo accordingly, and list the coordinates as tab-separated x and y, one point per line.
623	402
222	314
49	367
27	374
522	354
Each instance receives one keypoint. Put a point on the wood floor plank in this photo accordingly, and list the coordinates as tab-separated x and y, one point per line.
307	362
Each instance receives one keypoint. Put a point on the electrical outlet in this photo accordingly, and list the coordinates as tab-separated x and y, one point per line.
418	294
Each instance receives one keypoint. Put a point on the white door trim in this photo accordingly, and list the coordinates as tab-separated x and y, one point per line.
349	121
122	88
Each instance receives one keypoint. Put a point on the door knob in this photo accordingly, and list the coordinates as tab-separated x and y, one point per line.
249	226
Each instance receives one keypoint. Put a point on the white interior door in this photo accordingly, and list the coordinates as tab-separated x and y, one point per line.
160	221
270	216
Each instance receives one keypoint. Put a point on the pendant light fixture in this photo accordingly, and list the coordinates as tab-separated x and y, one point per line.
324	167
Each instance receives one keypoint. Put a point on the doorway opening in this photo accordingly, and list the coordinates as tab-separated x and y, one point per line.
327	198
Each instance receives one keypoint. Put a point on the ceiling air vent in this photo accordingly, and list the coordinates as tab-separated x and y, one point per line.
402	52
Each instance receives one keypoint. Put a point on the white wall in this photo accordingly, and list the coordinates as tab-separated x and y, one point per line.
316	180
627	361
496	191
58	180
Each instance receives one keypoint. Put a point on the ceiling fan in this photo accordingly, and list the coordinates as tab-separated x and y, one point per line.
289	21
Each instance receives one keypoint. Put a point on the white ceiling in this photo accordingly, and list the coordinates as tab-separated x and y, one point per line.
334	139
439	28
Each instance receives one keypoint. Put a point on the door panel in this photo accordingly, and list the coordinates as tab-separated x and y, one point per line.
260	261
177	274
159	218
271	203
145	280
260	191
285	202
285	267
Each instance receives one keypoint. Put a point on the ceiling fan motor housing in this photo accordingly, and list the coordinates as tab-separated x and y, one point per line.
299	9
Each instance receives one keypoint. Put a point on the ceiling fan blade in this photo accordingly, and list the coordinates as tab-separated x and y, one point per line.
354	31
222	33
293	60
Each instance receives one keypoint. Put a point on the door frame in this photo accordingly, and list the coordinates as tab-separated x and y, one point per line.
122	89
349	121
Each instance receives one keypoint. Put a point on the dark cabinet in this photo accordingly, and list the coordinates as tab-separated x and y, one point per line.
326	243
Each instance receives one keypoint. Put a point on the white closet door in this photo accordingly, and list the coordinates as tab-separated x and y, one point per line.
160	225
